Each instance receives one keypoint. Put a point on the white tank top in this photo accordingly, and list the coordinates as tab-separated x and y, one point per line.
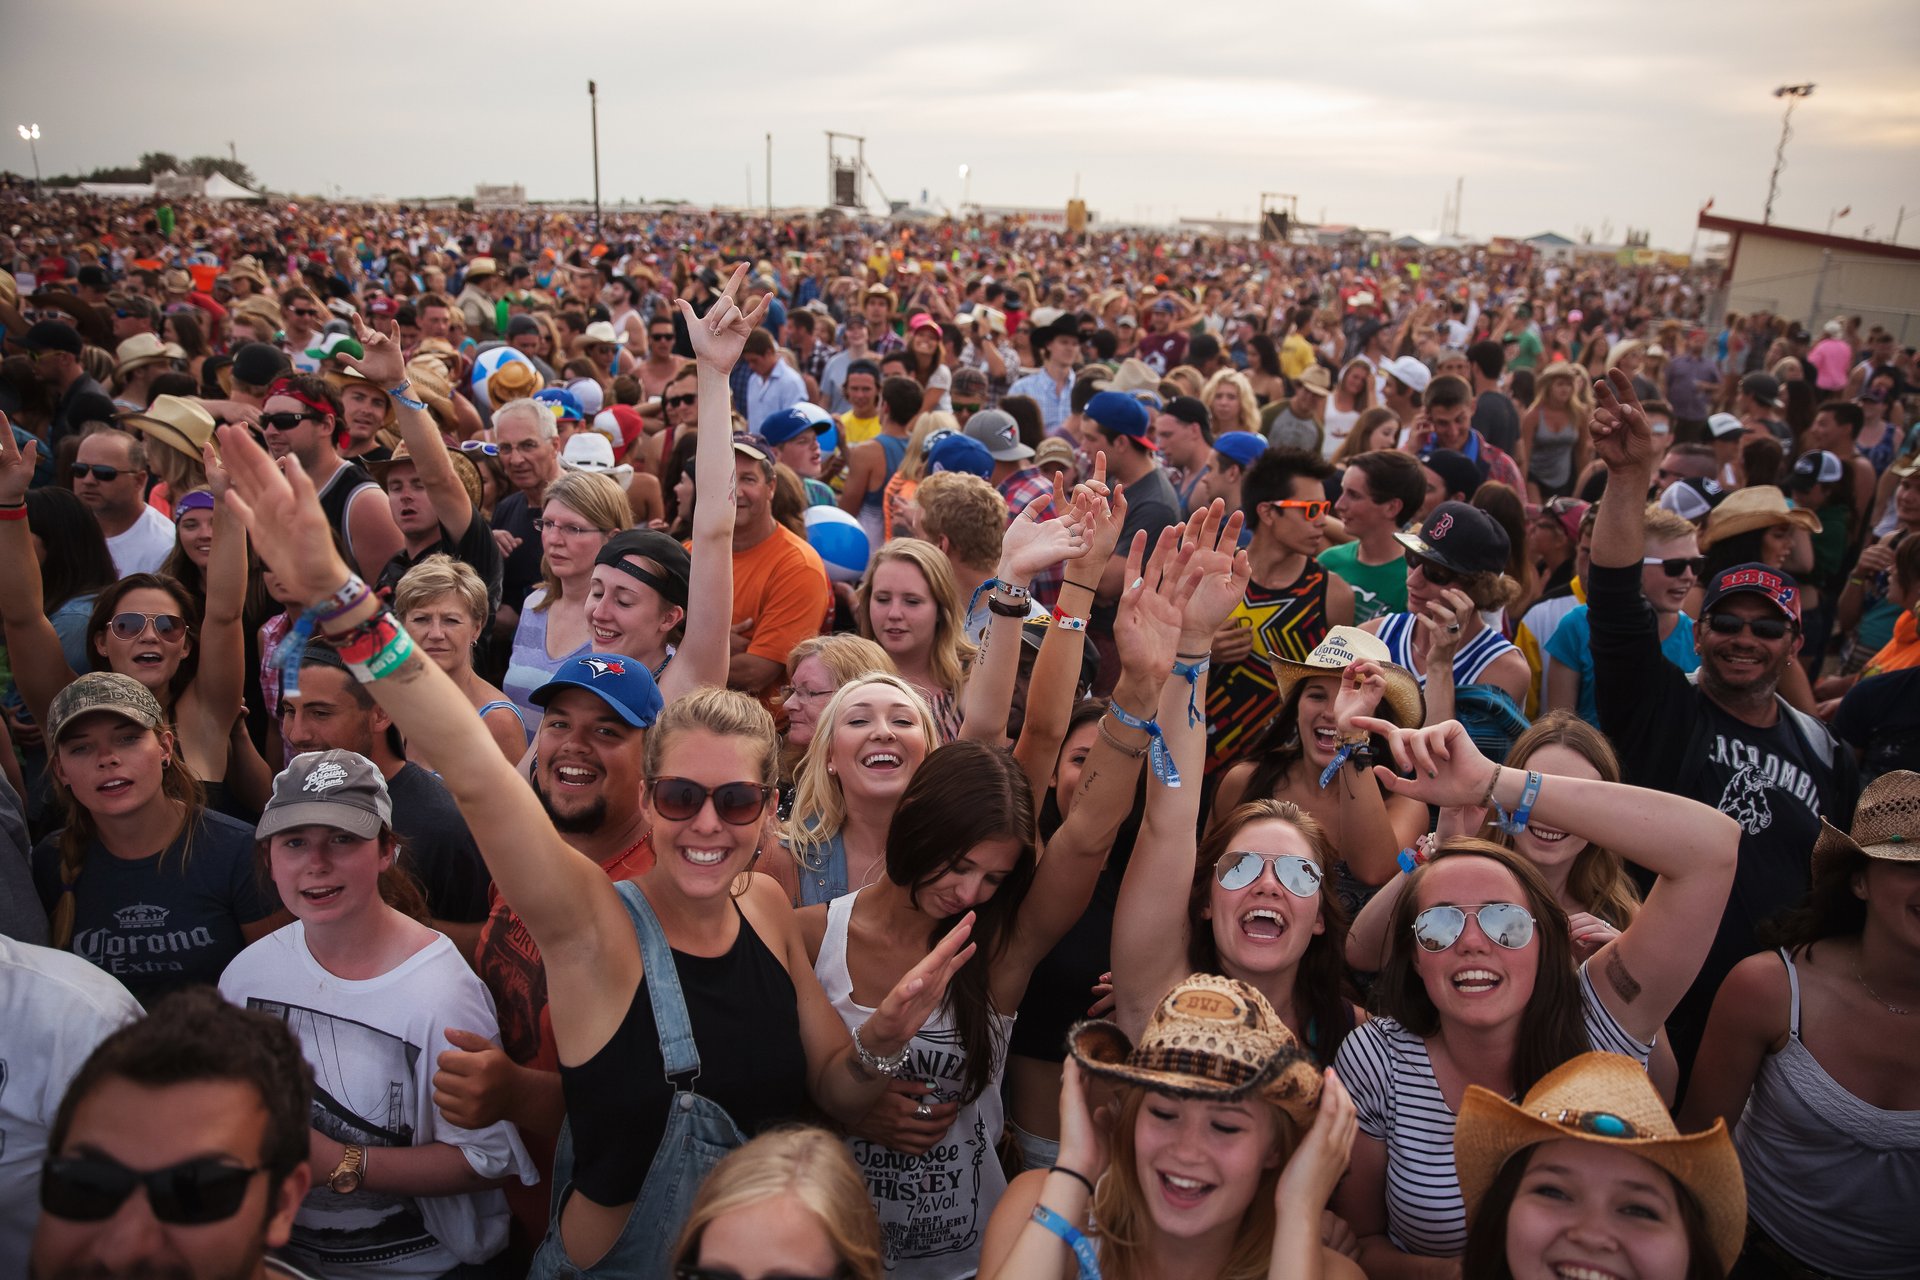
933	1207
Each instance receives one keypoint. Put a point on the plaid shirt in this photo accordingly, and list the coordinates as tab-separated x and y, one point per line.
1020	490
815	365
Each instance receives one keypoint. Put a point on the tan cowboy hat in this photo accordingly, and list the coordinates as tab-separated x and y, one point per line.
1760	507
143	349
248	268
1607	1100
1343	647
514	380
339	377
1886	823
1132	376
601	331
1315	380
263	307
179	422
481	268
462	467
1212	1038
430	383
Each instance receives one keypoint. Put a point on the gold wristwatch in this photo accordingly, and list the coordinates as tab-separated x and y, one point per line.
346	1176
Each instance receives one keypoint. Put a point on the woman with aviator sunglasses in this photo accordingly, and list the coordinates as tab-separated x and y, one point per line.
1480	985
146	626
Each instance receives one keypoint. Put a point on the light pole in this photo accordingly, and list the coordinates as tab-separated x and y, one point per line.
30	134
593	108
966	189
1792	93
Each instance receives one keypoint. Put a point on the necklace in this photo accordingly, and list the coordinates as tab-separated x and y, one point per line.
1886	1004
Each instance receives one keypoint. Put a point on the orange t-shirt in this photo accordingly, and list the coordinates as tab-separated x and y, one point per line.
782	585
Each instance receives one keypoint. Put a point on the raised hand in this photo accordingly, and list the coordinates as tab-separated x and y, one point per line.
1083	1128
1622	438
278	505
1443	624
1362	685
384	365
1106	512
1307	1183
1221	572
219	483
1448	770
16	465
1034	544
1152	611
923	989
719	336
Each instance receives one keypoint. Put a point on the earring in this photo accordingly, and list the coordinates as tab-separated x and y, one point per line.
830	769
166	762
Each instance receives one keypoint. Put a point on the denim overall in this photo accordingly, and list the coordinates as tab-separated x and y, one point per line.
698	1134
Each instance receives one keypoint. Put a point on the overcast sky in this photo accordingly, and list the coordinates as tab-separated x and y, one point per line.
1559	116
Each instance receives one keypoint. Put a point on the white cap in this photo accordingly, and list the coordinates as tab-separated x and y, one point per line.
591	451
1722	425
1410	370
609	426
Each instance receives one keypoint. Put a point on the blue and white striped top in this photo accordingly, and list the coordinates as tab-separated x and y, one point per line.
1475	656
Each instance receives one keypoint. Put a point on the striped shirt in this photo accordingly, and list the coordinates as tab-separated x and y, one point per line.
1475	656
1387	1070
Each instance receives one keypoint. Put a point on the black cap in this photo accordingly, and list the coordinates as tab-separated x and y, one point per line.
94	277
53	335
1202	348
1460	537
1187	409
522	324
258	364
1457	471
1763	387
676	565
91	406
1775	586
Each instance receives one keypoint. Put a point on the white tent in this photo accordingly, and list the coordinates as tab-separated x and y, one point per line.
117	190
220	187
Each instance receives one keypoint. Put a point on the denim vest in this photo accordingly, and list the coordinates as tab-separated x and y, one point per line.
698	1134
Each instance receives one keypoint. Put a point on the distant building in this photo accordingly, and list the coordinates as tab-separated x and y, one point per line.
501	196
1812	277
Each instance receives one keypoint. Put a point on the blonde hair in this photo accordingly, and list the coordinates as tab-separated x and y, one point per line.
595	498
951	650
1249	405
1365	399
914	461
1663	525
808	1164
436	576
1187	378
967	511
819	806
726	713
1580	406
844	654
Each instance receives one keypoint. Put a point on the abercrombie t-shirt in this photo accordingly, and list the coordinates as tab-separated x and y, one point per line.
167	920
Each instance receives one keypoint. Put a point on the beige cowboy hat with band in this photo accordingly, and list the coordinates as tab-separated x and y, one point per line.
1343	647
1607	1100
1886	823
1760	507
179	422
144	349
1212	1038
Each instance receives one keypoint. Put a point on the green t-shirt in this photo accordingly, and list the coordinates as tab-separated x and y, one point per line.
1377	588
1527	355
1830	544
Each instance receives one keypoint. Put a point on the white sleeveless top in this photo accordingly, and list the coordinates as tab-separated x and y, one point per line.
933	1207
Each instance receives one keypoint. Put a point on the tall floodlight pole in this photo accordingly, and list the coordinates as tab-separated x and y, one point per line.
593	105
30	134
1792	93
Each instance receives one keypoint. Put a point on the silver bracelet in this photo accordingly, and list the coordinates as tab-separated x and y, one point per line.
888	1066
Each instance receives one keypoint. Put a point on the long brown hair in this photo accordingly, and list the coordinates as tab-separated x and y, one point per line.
1319	983
963	795
1598	879
1124	1219
177	784
107	603
1552	1028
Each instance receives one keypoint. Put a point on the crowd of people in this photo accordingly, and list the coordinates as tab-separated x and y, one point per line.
732	748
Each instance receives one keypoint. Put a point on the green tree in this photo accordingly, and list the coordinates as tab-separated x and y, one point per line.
154	162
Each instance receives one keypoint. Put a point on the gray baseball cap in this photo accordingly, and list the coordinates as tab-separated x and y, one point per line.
996	429
328	789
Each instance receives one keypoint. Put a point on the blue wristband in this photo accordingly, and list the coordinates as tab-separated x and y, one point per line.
286	661
1159	759
1515	823
400	393
1069	1234
1191	672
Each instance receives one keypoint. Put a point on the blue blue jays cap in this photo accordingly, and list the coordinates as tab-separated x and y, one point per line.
621	682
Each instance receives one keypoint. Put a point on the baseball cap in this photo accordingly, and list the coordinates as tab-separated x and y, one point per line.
95	277
956	451
996	430
337	344
1243	447
1411	371
1722	425
564	405
753	446
1763	387
107	691
1456	470
779	427
1692	498
258	364
621	682
1776	587
1187	409
1817	467
328	789
676	576
522	325
1460	537
1118	413
1055	452
1565	512
53	335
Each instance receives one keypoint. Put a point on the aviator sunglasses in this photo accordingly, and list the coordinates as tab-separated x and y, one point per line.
739	804
1297	875
1506	924
131	626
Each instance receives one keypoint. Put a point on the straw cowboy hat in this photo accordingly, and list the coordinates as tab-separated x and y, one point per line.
249	268
1343	647
1760	507
1607	1100
1134	375
143	349
1886	823
463	468
1212	1038
180	422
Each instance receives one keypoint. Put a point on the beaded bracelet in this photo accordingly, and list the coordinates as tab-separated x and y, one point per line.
1159	759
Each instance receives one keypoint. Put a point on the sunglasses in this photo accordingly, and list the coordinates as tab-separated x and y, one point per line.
103	474
304	314
131	626
728	1273
191	1193
1297	875
487	447
661	337
1312	510
680	402
739	804
1732	624
286	421
1437	575
1506	924
1680	566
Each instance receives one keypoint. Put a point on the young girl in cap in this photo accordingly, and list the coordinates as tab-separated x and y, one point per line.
1481	985
1216	1159
1587	1175
370	990
1808	1056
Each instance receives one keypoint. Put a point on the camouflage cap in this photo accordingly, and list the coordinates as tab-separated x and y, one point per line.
107	691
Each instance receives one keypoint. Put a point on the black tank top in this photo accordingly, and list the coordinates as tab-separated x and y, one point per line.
746	1023
337	496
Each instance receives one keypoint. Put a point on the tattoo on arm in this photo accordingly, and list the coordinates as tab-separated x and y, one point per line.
1623	982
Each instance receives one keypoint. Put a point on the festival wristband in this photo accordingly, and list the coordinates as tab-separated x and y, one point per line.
14	513
1067	622
1191	673
1159	759
400	393
1070	1235
349	594
1516	823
